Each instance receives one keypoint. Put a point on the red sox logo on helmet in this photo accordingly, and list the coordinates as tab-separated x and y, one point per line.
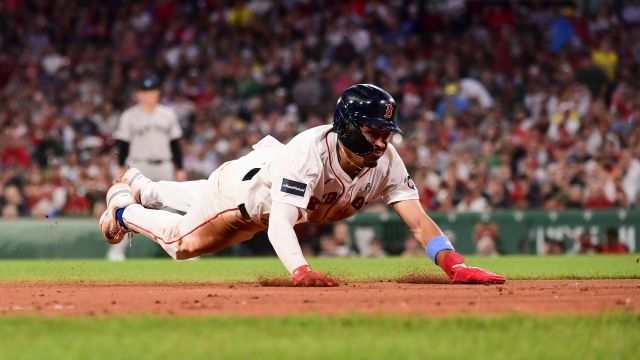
389	111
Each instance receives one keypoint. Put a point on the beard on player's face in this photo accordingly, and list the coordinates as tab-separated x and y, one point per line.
371	160
379	139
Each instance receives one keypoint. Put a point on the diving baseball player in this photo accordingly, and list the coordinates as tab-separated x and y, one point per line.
324	174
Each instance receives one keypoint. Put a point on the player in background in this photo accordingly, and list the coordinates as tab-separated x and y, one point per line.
323	174
147	138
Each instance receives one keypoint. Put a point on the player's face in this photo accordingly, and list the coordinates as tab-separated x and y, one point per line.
380	140
149	97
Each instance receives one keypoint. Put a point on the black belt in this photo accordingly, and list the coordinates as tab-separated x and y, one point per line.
150	161
248	176
244	212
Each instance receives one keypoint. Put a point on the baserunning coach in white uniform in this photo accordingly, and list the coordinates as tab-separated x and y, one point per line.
324	174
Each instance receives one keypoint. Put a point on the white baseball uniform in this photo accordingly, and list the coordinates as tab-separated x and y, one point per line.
235	202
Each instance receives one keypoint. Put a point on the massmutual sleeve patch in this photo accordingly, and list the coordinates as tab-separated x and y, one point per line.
293	187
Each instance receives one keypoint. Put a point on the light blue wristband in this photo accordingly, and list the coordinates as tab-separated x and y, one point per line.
436	245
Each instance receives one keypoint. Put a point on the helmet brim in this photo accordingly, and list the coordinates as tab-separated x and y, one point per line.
380	124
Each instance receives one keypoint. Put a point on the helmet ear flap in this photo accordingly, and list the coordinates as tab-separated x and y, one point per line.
355	141
349	132
340	123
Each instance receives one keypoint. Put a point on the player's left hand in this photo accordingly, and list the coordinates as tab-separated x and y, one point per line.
460	273
475	275
304	276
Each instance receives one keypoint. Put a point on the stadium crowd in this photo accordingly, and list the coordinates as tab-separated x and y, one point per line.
503	104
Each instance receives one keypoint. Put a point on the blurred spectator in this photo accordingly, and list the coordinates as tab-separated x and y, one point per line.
629	171
554	247
12	202
473	201
562	31
328	246
363	237
605	57
337	243
412	247
586	244
342	239
592	76
308	92
13	152
453	102
485	236
375	250
472	89
307	250
612	244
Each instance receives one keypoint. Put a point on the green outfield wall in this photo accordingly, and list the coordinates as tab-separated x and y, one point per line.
62	238
519	232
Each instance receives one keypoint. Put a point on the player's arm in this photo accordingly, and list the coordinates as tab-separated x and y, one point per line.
293	174
285	242
176	156
122	137
439	248
122	152
175	134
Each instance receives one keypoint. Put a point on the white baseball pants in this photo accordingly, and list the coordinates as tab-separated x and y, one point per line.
211	222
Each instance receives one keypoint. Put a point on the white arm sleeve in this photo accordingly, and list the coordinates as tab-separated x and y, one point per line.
282	236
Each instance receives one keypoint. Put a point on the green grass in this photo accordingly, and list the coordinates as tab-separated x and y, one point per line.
219	269
606	336
612	336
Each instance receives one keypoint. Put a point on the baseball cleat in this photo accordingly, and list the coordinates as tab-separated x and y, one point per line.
134	178
118	196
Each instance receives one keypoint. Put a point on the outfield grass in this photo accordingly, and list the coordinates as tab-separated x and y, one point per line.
217	269
613	336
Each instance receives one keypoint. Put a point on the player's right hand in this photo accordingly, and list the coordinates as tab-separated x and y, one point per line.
304	276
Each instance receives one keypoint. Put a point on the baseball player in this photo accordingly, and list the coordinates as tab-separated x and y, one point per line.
147	138
324	174
147	135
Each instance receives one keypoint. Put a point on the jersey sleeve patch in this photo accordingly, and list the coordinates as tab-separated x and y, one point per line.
410	182
293	187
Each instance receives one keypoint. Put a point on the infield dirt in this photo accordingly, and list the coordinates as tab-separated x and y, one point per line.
525	297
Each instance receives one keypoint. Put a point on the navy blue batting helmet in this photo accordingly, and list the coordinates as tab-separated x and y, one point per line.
363	105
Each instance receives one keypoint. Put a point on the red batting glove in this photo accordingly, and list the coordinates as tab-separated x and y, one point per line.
304	276
459	273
